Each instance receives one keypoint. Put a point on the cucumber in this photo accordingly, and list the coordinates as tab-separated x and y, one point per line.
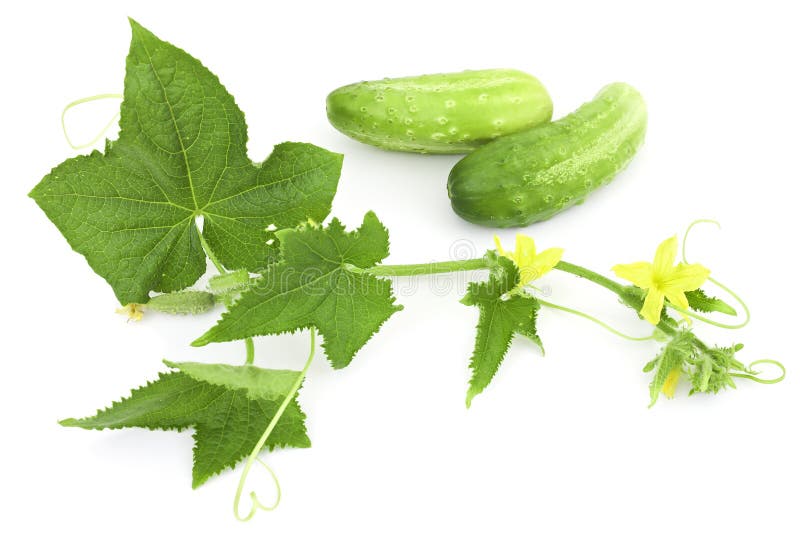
229	282
530	176
439	113
187	302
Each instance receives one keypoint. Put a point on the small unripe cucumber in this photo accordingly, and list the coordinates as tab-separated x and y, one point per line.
229	282
530	176
440	113
187	302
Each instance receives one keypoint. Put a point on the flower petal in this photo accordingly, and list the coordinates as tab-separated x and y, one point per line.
525	250
499	247
665	257
677	298
545	261
653	304
671	383
135	312
686	277
540	265
639	273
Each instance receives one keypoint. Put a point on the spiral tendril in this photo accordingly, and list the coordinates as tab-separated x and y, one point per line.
595	320
256	504
752	372
714	281
84	101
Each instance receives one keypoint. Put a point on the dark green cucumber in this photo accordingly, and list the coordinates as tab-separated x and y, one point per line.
440	113
530	176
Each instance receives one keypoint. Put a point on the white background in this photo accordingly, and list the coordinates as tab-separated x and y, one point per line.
563	443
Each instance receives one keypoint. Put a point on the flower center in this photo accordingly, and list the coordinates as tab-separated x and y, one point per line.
657	282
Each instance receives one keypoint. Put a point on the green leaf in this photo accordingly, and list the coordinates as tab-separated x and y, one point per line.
700	301
318	282
228	407
181	156
502	314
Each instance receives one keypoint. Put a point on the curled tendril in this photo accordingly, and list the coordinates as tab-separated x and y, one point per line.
752	372
84	101
256	504
254	501
714	281
596	321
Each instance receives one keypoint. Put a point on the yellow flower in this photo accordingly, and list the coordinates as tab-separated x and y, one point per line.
135	312
671	383
530	264
663	278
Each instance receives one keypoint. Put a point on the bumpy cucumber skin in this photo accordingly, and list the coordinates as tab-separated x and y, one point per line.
440	113
530	176
182	302
229	282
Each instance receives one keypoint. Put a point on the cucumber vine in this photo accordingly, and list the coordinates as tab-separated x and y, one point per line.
176	190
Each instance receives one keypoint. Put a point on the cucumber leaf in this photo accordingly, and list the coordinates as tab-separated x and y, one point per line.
503	313
318	282
181	155
229	408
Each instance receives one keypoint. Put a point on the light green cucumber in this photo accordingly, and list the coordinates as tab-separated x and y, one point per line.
530	176
186	302
229	282
440	113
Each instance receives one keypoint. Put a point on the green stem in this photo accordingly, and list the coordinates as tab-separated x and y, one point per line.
592	276
581	272
415	269
424	268
209	252
248	341
256	504
251	350
481	263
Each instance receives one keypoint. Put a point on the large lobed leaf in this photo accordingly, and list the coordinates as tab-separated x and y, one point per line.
318	283
228	407
181	155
